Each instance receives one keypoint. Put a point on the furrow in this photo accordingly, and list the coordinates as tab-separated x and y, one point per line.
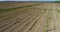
26	27
7	20
36	25
18	23
4	28
12	21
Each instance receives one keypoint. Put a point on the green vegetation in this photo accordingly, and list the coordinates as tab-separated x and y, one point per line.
57	1
1	3
46	28
47	24
58	11
45	9
10	9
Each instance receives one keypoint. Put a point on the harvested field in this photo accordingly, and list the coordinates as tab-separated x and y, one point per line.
29	17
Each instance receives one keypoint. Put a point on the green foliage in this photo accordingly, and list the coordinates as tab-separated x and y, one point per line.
58	11
57	1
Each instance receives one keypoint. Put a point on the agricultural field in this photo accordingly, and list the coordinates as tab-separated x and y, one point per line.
29	17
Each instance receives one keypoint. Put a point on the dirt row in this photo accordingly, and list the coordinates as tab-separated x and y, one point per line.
20	20
37	18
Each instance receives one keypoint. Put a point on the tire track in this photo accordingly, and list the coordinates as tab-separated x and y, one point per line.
36	25
29	25
19	24
3	23
23	17
42	23
21	20
22	27
11	17
13	23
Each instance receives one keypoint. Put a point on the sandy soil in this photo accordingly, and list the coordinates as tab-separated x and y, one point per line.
38	18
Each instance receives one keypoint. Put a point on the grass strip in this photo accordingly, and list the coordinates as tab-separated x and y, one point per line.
9	9
58	11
